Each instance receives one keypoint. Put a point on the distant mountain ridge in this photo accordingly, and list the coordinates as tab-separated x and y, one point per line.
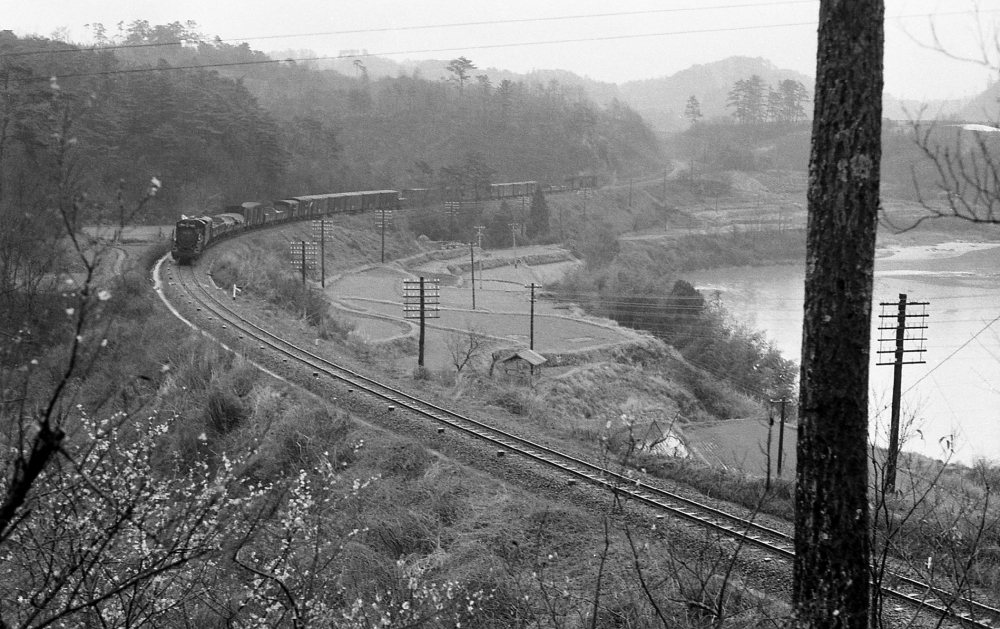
661	100
983	108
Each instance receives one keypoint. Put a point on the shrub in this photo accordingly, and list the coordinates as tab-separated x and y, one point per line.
406	459
513	400
334	328
196	363
224	410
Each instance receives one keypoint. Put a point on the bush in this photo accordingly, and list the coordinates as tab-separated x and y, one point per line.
196	363
985	474
406	459
333	328
224	410
514	401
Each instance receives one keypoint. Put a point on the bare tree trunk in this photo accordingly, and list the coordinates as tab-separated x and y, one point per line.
831	524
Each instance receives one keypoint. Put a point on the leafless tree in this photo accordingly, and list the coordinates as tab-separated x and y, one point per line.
466	347
960	174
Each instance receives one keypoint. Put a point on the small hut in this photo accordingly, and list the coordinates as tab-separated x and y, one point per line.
522	365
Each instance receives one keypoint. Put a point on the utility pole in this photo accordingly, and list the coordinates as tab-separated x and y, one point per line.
382	225
319	229
781	432
781	436
479	235
513	235
385	216
897	363
303	255
423	319
531	326
770	429
630	193
421	300
472	255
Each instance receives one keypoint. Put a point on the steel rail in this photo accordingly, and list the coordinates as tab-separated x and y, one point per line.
632	488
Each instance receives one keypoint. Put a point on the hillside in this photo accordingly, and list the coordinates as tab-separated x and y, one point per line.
661	101
983	108
247	127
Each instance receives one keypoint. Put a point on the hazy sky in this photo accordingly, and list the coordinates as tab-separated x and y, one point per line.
609	41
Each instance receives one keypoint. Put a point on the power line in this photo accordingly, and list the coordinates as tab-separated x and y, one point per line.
472	47
393	29
261	62
543	19
957	350
488	23
95	48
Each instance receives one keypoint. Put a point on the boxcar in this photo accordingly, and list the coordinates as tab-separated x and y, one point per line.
287	208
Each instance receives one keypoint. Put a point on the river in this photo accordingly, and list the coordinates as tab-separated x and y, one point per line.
955	397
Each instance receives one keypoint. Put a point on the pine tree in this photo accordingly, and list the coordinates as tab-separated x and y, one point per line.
538	215
832	547
692	110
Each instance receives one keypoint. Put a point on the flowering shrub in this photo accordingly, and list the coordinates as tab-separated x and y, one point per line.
104	537
300	567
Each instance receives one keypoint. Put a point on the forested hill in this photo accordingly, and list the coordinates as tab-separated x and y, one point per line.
662	99
249	127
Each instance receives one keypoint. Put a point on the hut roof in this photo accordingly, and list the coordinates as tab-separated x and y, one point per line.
530	356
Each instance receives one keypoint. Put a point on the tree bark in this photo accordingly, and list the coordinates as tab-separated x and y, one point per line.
831	573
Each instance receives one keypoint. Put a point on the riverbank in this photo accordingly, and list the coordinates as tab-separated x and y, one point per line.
952	401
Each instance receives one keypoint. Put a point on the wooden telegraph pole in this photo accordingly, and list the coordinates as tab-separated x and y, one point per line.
899	352
319	229
781	432
384	217
531	325
421	300
472	255
303	256
423	319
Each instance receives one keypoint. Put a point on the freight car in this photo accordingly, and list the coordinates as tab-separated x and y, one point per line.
512	189
192	235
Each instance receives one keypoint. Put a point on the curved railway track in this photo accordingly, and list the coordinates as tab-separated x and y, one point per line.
576	470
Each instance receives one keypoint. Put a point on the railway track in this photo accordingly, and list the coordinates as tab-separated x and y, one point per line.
630	488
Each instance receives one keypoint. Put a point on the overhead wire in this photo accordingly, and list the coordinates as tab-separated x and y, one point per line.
390	29
637	306
354	55
949	356
262	62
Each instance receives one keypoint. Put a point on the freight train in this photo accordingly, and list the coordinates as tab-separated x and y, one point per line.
192	235
422	197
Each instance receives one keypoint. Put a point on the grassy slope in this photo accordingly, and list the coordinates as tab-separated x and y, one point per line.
422	517
456	528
